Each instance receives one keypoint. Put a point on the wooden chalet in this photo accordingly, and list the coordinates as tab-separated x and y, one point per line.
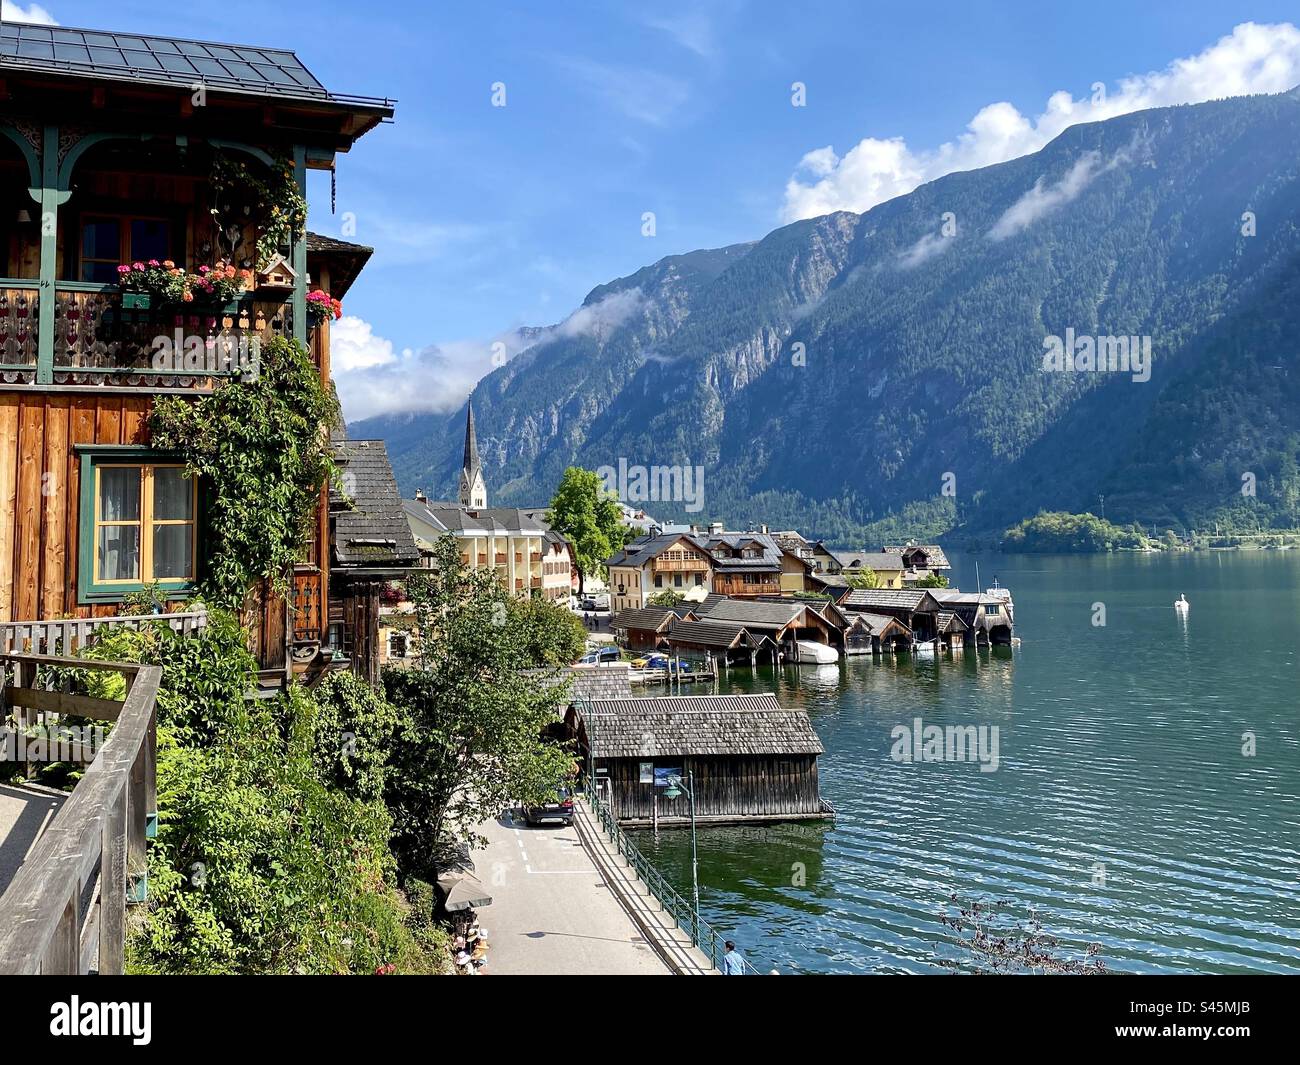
750	759
869	634
129	148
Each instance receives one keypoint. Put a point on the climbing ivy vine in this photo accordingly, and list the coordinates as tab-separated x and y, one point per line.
261	448
275	200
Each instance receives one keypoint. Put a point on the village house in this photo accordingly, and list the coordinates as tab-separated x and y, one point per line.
102	140
665	562
920	561
886	565
530	557
372	551
747	758
737	564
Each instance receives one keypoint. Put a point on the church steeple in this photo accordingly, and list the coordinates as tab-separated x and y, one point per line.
473	489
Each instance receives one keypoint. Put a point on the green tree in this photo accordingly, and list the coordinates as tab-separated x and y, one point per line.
590	518
666	598
477	701
933	580
862	578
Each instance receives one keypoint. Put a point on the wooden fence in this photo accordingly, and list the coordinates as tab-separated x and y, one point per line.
65	910
70	636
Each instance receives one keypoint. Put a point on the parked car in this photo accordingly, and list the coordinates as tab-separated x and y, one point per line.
588	604
651	661
604	654
560	810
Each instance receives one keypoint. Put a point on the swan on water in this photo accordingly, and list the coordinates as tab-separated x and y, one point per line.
1181	602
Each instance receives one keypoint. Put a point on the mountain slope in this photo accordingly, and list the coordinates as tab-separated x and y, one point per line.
922	352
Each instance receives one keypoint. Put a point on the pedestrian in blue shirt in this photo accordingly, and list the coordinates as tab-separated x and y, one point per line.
732	963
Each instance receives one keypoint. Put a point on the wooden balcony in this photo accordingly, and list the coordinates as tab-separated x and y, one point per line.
680	565
65	910
99	343
737	587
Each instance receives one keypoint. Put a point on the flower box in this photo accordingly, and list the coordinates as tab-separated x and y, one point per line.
137	301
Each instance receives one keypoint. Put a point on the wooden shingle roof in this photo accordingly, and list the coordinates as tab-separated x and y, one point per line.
650	618
917	599
712	634
696	725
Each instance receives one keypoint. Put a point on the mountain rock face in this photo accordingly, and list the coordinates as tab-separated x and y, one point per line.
887	369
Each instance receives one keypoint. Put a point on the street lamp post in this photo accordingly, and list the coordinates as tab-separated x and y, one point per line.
675	787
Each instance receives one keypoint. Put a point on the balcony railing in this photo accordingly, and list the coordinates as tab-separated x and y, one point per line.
100	342
65	909
69	636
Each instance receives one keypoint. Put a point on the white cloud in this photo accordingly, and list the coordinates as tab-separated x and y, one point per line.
1254	58
645	95
354	345
926	248
31	13
1044	198
372	378
693	30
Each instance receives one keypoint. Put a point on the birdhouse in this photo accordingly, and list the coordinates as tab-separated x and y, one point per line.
277	274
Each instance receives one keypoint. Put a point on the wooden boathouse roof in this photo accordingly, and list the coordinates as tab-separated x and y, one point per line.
718	634
696	725
950	621
879	624
916	600
648	619
757	614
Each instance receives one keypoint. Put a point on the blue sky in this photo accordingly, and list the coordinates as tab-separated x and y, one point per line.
487	218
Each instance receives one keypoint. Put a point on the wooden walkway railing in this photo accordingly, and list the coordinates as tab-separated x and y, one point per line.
68	636
65	910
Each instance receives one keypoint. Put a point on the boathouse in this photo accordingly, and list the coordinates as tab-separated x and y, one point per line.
783	620
876	634
643	629
987	617
748	758
914	607
728	644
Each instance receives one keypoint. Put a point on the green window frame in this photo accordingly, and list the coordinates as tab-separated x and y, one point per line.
150	520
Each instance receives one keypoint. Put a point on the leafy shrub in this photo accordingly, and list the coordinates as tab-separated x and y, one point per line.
270	856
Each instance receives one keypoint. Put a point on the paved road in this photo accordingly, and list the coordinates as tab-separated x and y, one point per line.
551	912
24	815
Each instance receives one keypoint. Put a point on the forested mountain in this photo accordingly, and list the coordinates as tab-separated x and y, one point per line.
922	323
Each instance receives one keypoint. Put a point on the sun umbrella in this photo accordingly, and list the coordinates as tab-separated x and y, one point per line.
462	891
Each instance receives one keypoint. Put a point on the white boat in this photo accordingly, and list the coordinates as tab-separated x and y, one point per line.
814	653
1181	603
924	647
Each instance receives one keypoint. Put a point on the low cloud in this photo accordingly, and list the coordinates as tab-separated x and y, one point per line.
373	378
1254	58
926	248
1044	198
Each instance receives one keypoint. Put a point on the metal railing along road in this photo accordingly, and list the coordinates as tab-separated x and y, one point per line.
703	935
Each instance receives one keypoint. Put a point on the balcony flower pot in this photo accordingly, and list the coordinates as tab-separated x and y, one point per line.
137	301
